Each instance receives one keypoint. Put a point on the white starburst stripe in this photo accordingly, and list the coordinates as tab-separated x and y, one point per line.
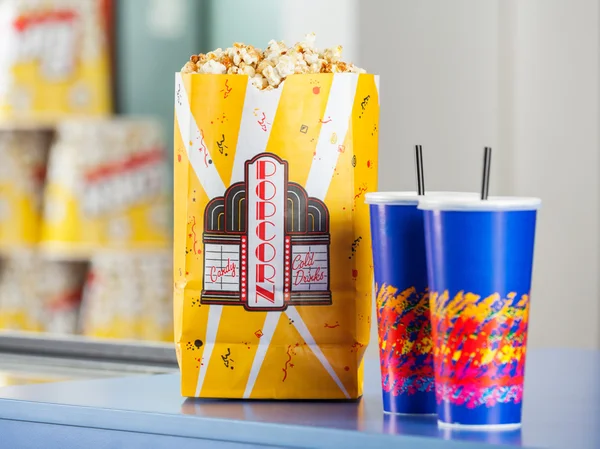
302	329
377	88
339	110
213	185
195	145
268	330
255	128
214	317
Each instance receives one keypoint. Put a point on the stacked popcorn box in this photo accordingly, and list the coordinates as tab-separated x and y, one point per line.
75	183
105	191
126	296
107	202
50	304
23	156
111	208
60	290
106	187
20	305
54	60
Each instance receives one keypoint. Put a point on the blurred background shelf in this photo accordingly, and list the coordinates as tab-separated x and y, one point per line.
30	358
85	184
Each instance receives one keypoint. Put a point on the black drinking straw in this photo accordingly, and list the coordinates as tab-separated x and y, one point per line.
485	183
419	167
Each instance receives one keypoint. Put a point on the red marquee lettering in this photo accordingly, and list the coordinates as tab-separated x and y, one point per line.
217	273
265	233
262	292
306	278
261	231
265	252
261	210
300	262
261	273
265	188
261	169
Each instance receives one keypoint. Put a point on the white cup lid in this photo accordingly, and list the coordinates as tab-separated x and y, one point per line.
470	203
409	198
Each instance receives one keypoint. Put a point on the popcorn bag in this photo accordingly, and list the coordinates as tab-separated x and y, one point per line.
106	188
49	304
272	252
127	296
23	156
21	307
53	59
60	287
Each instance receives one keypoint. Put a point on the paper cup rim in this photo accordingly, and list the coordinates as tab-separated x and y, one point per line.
493	203
408	198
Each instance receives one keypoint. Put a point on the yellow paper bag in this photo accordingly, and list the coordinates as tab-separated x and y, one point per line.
53	59
23	156
272	254
106	188
21	306
127	296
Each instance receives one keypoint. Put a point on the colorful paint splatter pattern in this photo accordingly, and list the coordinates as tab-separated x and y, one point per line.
405	340
480	347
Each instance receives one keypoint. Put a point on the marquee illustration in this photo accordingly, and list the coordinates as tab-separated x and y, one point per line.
266	242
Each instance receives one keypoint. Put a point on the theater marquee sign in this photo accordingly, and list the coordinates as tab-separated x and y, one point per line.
266	242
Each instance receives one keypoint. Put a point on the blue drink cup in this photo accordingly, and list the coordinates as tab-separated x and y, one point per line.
402	300
479	262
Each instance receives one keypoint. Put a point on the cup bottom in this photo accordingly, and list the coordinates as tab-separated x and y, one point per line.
387	412
479	427
419	403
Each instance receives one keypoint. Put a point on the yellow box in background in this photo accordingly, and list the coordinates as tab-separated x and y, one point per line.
23	156
128	296
53	59
50	303
21	307
106	188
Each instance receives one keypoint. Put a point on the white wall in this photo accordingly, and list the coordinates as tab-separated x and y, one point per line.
253	22
519	76
556	157
258	21
439	76
334	21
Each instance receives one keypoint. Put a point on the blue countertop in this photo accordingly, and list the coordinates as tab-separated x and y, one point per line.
561	410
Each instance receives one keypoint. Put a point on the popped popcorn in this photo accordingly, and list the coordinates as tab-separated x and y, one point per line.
269	68
213	66
260	82
272	76
334	54
285	66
